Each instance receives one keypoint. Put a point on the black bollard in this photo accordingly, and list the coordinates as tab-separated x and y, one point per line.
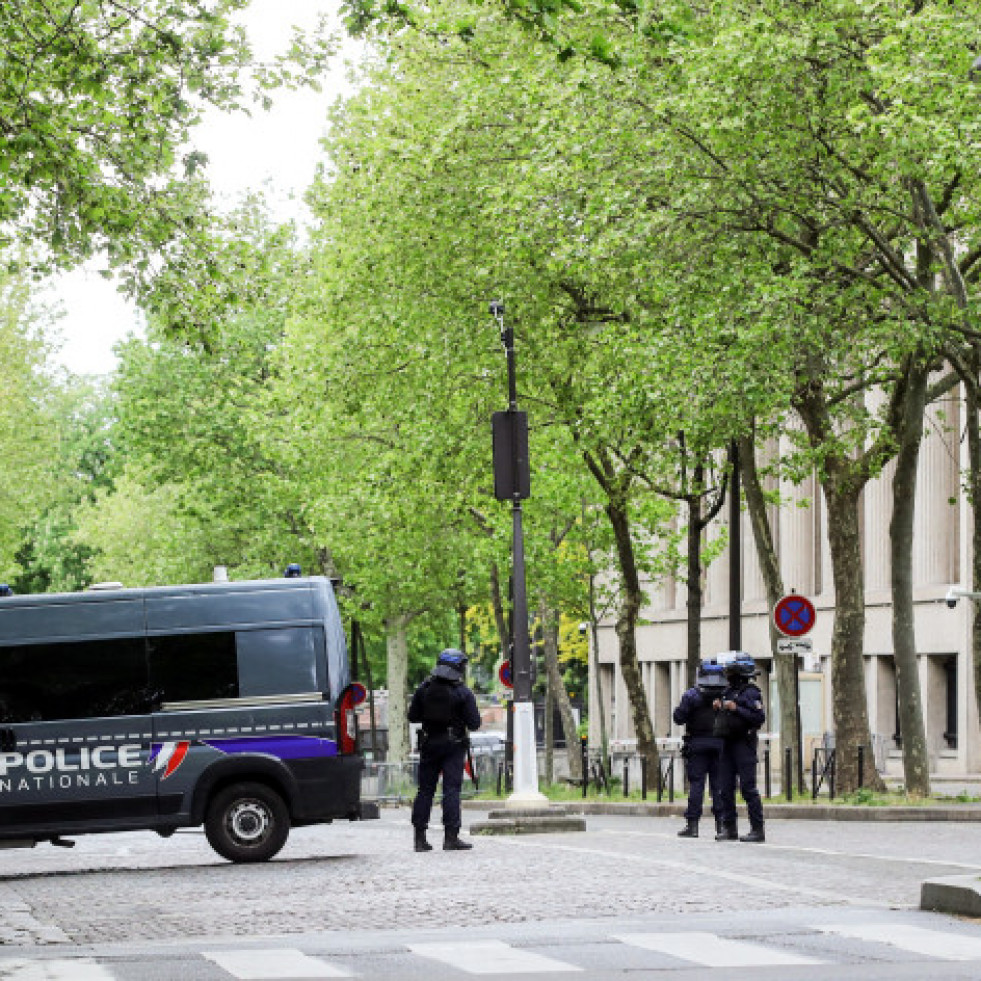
766	773
861	766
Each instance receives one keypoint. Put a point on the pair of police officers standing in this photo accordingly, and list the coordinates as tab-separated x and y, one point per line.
722	715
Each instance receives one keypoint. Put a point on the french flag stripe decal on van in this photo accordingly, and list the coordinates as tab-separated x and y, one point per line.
169	757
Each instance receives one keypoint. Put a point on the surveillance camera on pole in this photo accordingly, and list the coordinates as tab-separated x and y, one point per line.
954	593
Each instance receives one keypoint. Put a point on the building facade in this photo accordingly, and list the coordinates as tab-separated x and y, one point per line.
941	557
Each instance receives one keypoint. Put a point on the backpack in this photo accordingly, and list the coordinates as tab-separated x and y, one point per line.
437	705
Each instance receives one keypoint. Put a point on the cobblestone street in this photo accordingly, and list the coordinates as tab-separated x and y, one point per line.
138	887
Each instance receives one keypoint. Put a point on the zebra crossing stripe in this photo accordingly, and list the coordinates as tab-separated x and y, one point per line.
490	957
918	940
268	965
710	950
82	969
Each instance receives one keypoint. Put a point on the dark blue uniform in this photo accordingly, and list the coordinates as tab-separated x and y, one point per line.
701	751
738	761
443	749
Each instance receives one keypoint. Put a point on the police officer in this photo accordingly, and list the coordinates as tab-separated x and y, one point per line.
447	709
701	747
740	715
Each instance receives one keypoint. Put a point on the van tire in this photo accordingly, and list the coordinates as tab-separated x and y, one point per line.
247	822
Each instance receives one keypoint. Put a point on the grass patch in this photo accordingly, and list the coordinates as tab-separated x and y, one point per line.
864	797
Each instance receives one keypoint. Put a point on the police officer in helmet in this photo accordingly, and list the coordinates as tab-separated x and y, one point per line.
740	715
701	748
447	710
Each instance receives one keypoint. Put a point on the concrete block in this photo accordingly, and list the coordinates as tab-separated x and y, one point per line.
958	894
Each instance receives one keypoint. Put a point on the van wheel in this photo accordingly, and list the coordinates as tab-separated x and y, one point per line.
247	822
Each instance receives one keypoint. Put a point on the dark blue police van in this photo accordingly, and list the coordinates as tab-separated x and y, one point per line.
224	704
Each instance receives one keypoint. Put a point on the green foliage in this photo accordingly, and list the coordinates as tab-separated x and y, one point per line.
28	434
83	462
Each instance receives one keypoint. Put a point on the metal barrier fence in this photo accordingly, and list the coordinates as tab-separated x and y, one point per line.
395	783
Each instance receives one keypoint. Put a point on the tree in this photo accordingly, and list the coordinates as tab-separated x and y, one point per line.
28	422
83	464
98	101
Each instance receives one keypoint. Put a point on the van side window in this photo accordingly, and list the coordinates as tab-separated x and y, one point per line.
281	661
194	667
80	680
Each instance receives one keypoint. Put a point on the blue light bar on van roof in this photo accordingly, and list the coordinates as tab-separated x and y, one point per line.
5	590
293	571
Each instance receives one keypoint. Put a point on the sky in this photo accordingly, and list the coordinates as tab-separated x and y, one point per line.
276	151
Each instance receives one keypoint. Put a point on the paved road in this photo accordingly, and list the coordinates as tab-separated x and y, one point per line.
626	896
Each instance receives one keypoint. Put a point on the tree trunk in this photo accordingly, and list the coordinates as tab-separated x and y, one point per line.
556	686
916	763
500	620
785	664
461	613
594	637
626	628
397	650
851	717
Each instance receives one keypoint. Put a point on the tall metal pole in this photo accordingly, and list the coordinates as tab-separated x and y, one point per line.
525	747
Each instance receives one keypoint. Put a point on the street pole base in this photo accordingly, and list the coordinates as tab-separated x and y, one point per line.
527	798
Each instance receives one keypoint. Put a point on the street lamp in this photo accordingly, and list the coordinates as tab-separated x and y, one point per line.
512	482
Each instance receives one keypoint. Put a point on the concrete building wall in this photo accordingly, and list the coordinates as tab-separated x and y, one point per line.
941	556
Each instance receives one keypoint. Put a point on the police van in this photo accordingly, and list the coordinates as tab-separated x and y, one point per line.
225	704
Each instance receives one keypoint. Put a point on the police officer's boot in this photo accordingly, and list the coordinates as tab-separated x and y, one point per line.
719	824
452	842
421	844
690	830
729	832
755	834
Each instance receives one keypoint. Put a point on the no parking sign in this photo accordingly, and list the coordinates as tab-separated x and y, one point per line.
794	615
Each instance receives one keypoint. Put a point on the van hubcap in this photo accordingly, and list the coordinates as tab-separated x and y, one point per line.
249	821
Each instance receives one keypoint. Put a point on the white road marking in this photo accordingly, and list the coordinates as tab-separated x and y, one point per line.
711	950
253	965
918	940
53	970
771	847
490	957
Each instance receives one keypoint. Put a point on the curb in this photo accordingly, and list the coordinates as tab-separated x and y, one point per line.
528	821
957	894
797	812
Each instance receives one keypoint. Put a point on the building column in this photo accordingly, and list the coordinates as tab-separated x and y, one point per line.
877	513
797	539
717	577
935	527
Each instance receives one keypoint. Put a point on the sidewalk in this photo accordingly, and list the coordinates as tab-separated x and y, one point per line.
800	812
